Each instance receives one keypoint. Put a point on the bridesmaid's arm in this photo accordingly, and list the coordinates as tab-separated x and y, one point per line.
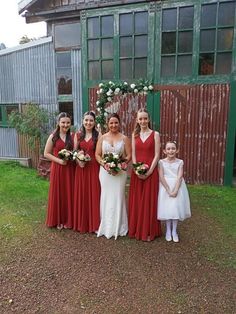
75	142
98	152
127	149
48	152
157	154
133	150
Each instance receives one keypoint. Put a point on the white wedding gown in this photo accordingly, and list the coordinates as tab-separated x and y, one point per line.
114	221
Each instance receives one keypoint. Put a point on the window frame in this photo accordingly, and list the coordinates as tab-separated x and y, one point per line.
3	108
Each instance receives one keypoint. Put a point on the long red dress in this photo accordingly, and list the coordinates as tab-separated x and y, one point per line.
143	194
87	192
61	191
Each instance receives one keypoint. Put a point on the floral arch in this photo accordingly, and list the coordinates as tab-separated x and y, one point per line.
107	91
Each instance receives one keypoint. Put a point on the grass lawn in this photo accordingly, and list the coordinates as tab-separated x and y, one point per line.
22	201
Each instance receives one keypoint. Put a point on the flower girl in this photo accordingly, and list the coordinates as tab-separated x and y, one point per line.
173	199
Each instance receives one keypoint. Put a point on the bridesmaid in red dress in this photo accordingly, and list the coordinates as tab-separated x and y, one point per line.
143	194
60	199
87	185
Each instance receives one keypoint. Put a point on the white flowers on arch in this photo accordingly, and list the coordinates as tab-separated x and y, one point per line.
108	90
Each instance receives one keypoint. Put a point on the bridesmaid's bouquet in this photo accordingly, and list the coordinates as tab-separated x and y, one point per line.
65	154
140	168
81	156
113	163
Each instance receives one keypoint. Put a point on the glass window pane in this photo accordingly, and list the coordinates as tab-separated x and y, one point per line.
184	65
185	42
94	70
107	25
107	48
169	19
141	46
63	60
93	49
226	13
126	47
186	17
67	107
64	81
107	69
126	24
126	69
207	40
141	22
206	64
167	66
140	68
10	108
93	27
67	35
168	42
223	63
208	15
225	39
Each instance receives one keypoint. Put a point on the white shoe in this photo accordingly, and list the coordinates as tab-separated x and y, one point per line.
168	237
175	237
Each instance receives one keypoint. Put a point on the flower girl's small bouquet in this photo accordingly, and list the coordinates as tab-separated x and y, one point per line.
81	156
65	154
113	163
140	168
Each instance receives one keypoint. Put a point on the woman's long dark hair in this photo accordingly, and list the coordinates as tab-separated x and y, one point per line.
137	127
56	133
82	131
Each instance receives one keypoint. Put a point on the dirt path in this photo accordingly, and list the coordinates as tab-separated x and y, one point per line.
66	272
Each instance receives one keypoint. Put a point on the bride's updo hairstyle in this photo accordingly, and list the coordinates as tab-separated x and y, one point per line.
137	127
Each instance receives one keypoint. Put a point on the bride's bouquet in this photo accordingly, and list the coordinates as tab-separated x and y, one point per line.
140	168
65	154
113	163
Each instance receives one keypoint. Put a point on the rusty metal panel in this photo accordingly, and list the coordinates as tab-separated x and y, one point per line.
197	119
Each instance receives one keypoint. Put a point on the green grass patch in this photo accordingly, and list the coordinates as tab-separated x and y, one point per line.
219	204
22	202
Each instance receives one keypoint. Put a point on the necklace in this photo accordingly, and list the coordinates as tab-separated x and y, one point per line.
145	134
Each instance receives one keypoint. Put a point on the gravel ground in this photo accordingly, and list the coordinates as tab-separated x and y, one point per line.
67	272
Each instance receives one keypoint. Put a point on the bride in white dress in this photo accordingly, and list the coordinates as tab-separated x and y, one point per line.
113	213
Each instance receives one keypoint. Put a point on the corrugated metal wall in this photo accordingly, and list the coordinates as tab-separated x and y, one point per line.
194	116
76	86
29	74
197	119
8	143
